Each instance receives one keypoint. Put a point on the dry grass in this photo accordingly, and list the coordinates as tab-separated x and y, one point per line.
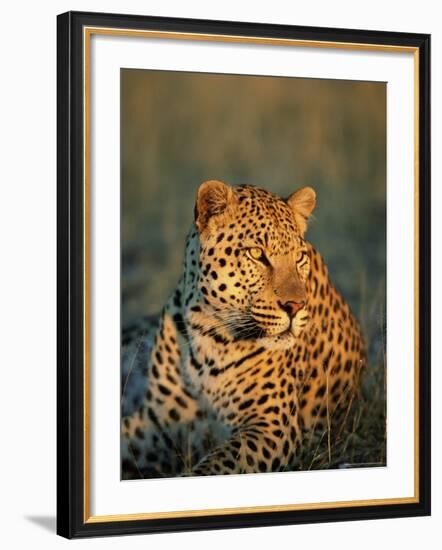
361	441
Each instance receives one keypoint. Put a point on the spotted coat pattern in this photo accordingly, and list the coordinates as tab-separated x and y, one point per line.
254	348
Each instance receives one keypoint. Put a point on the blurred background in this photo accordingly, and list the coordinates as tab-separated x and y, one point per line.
180	129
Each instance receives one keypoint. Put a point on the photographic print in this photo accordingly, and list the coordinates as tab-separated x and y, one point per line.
243	299
253	274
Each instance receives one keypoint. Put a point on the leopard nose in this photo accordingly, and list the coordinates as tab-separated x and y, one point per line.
291	308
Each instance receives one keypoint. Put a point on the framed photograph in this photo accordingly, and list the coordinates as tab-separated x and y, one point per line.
243	274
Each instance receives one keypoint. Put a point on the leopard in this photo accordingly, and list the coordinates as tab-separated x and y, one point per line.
254	349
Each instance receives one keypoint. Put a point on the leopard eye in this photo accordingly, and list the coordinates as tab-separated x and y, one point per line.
301	257
257	254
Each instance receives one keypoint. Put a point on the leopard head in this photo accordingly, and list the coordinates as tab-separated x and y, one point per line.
253	261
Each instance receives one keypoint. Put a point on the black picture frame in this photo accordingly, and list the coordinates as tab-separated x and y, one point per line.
71	519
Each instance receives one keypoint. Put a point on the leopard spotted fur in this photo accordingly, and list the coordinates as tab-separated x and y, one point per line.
254	347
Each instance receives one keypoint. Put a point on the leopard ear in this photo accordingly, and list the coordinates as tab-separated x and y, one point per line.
302	202
213	198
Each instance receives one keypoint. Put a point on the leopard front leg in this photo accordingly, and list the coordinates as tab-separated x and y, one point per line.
261	447
154	444
159	435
